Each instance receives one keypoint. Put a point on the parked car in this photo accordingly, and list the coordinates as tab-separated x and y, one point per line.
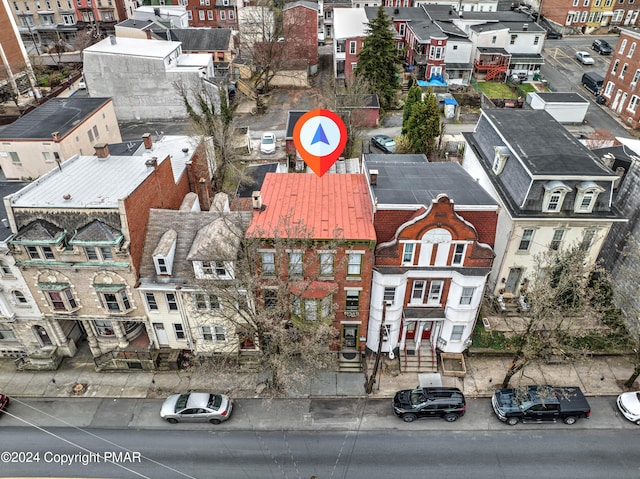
268	143
585	58
552	34
4	402
384	142
82	85
321	40
196	407
593	82
540	404
629	405
602	47
446	403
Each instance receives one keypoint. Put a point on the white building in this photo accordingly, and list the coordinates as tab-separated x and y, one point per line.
553	194
143	77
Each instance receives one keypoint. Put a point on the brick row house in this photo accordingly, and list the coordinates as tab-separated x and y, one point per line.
435	228
18	77
316	240
443	47
620	86
585	16
552	195
78	236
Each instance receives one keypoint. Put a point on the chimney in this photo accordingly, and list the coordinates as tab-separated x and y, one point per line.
148	142
256	200
204	196
148	34
112	38
102	150
151	162
373	177
56	136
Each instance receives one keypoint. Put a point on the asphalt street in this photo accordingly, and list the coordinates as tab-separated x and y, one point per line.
326	414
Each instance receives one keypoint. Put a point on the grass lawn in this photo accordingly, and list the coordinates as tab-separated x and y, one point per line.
495	90
527	88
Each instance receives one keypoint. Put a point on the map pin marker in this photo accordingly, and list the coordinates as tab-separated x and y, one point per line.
320	137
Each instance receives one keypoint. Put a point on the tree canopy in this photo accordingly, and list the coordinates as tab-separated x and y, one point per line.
378	61
423	125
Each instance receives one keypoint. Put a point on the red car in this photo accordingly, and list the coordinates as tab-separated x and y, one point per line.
4	402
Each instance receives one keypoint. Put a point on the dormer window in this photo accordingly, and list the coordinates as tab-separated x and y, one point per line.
500	159
164	253
586	197
555	191
213	269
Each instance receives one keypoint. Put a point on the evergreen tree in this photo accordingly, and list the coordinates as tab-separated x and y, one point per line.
414	95
378	60
423	125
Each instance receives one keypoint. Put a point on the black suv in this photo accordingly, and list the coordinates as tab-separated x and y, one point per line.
447	403
602	47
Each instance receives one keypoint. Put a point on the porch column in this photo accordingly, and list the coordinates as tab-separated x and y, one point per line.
66	344
91	338
119	332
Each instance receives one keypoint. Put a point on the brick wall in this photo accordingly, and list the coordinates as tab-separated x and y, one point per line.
158	191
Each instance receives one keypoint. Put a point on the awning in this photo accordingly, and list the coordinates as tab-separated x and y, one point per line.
435	314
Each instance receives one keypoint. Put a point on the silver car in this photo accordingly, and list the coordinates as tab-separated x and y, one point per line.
196	407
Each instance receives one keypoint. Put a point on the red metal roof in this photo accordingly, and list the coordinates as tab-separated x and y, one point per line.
303	205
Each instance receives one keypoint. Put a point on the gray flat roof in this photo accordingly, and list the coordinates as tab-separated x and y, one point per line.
543	145
94	182
58	114
419	183
563	97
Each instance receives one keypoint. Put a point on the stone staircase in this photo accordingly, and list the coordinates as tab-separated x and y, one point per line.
413	360
350	362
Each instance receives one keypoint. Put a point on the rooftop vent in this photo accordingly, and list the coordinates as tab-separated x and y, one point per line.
151	162
112	39
185	150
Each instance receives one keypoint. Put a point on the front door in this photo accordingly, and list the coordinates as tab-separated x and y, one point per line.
513	280
349	336
418	330
43	336
161	334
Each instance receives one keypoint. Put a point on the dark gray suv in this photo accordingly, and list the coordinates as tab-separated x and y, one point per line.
602	47
446	403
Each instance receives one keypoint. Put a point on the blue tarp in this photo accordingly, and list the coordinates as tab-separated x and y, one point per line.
436	80
450	101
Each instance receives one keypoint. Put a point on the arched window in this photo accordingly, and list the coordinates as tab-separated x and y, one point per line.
19	297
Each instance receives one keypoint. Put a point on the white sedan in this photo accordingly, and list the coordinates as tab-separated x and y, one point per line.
629	405
268	143
585	58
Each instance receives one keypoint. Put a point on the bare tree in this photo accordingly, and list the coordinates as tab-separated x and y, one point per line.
350	106
217	127
563	292
273	41
625	291
292	341
600	139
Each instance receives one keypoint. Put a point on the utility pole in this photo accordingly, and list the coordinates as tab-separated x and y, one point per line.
376	365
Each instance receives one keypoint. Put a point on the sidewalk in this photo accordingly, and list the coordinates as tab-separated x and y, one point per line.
77	377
